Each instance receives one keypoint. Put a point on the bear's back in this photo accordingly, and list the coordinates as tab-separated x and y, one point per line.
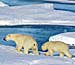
58	45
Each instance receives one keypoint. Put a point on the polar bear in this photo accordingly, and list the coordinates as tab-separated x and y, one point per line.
56	46
23	41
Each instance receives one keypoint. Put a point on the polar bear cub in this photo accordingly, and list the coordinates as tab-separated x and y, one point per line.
23	41
57	46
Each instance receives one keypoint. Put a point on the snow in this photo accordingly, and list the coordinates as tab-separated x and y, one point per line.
8	55
3	4
68	38
35	14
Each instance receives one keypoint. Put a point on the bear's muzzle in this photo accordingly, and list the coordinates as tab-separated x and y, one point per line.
4	39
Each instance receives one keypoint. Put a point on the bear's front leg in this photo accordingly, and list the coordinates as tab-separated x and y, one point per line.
46	54
50	52
61	54
18	47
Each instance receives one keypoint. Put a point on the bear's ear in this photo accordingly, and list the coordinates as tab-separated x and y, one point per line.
9	35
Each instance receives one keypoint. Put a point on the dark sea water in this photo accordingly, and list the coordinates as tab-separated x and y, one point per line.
21	2
41	33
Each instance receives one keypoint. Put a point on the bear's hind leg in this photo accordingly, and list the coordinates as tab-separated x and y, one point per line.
35	51
68	54
26	51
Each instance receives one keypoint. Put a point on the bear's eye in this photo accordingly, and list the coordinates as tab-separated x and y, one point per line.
43	45
34	45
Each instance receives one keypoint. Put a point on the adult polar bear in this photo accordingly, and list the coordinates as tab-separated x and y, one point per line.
58	46
25	41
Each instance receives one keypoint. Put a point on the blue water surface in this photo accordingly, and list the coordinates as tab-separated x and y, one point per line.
21	2
41	33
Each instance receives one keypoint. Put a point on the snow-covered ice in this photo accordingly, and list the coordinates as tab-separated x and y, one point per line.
68	37
3	4
35	14
8	55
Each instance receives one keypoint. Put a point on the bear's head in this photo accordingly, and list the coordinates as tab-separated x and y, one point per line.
44	47
8	37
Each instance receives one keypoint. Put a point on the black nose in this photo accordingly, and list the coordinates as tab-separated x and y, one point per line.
4	39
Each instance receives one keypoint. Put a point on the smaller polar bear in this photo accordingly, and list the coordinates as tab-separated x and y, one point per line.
23	41
57	46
